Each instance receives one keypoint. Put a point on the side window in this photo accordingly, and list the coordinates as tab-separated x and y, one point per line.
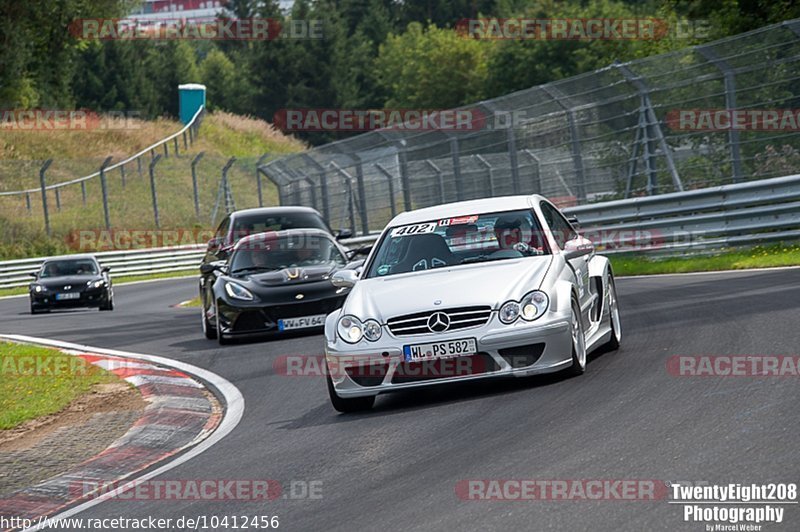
562	230
222	231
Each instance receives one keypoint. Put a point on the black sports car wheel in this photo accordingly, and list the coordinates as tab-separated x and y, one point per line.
209	331
108	304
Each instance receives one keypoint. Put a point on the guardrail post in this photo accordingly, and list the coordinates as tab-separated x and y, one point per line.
258	180
195	193
58	198
83	192
177	153
185	142
104	186
122	173
191	135
511	138
390	181
139	165
439	178
455	154
152	170
166	149
28	201
489	173
730	103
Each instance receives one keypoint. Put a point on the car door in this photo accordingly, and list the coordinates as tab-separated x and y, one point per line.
563	232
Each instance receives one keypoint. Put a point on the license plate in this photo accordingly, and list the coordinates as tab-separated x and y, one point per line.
68	295
287	324
450	348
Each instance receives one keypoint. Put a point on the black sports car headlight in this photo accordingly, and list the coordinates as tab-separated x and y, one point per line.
38	288
96	284
237	291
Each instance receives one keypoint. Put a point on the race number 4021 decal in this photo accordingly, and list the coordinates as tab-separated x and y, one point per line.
413	229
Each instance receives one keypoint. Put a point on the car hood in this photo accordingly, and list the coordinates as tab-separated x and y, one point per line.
291	276
76	281
489	283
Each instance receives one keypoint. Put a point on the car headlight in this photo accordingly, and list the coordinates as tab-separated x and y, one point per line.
509	312
350	329
96	284
39	288
533	305
237	291
372	330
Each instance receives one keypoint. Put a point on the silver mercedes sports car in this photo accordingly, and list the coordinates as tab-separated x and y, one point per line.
470	290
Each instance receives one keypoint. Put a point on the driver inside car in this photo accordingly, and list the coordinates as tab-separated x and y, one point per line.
513	234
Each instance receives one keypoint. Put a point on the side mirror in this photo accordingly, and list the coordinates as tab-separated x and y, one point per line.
105	269
344	278
214	243
35	275
578	247
207	268
344	233
363	251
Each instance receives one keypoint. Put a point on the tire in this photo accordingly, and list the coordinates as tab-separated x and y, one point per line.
346	406
34	310
109	304
613	316
578	366
208	331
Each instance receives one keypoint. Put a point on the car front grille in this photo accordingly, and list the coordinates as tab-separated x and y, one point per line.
460	318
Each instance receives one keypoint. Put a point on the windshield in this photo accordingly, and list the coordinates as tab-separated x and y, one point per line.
277	253
455	241
251	224
69	267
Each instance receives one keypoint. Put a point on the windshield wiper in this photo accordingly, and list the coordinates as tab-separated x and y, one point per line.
480	258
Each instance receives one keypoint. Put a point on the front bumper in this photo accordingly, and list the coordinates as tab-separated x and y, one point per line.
88	298
520	349
243	319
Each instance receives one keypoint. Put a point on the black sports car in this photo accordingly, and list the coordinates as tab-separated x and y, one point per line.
274	283
69	282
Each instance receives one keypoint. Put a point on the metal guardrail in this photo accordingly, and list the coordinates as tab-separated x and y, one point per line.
730	215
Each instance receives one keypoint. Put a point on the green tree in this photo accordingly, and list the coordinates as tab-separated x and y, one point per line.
218	73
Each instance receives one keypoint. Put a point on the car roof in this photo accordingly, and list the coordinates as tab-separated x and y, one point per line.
273	235
271	211
466	208
81	256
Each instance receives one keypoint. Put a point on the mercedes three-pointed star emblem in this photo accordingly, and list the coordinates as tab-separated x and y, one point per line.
439	322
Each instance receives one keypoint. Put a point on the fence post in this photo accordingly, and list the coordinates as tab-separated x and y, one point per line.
490	173
323	186
230	204
83	192
258	180
195	192
362	195
43	184
311	188
390	180
348	179
454	153
537	181
403	160
511	138
439	178
153	191
575	141
104	186
730	104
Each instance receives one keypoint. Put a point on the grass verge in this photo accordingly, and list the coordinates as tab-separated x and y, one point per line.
741	259
38	381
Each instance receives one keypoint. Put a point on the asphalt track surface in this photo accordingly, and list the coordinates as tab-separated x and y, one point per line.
396	468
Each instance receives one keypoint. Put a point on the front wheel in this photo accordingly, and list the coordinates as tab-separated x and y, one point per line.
355	404
578	342
613	316
109	303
